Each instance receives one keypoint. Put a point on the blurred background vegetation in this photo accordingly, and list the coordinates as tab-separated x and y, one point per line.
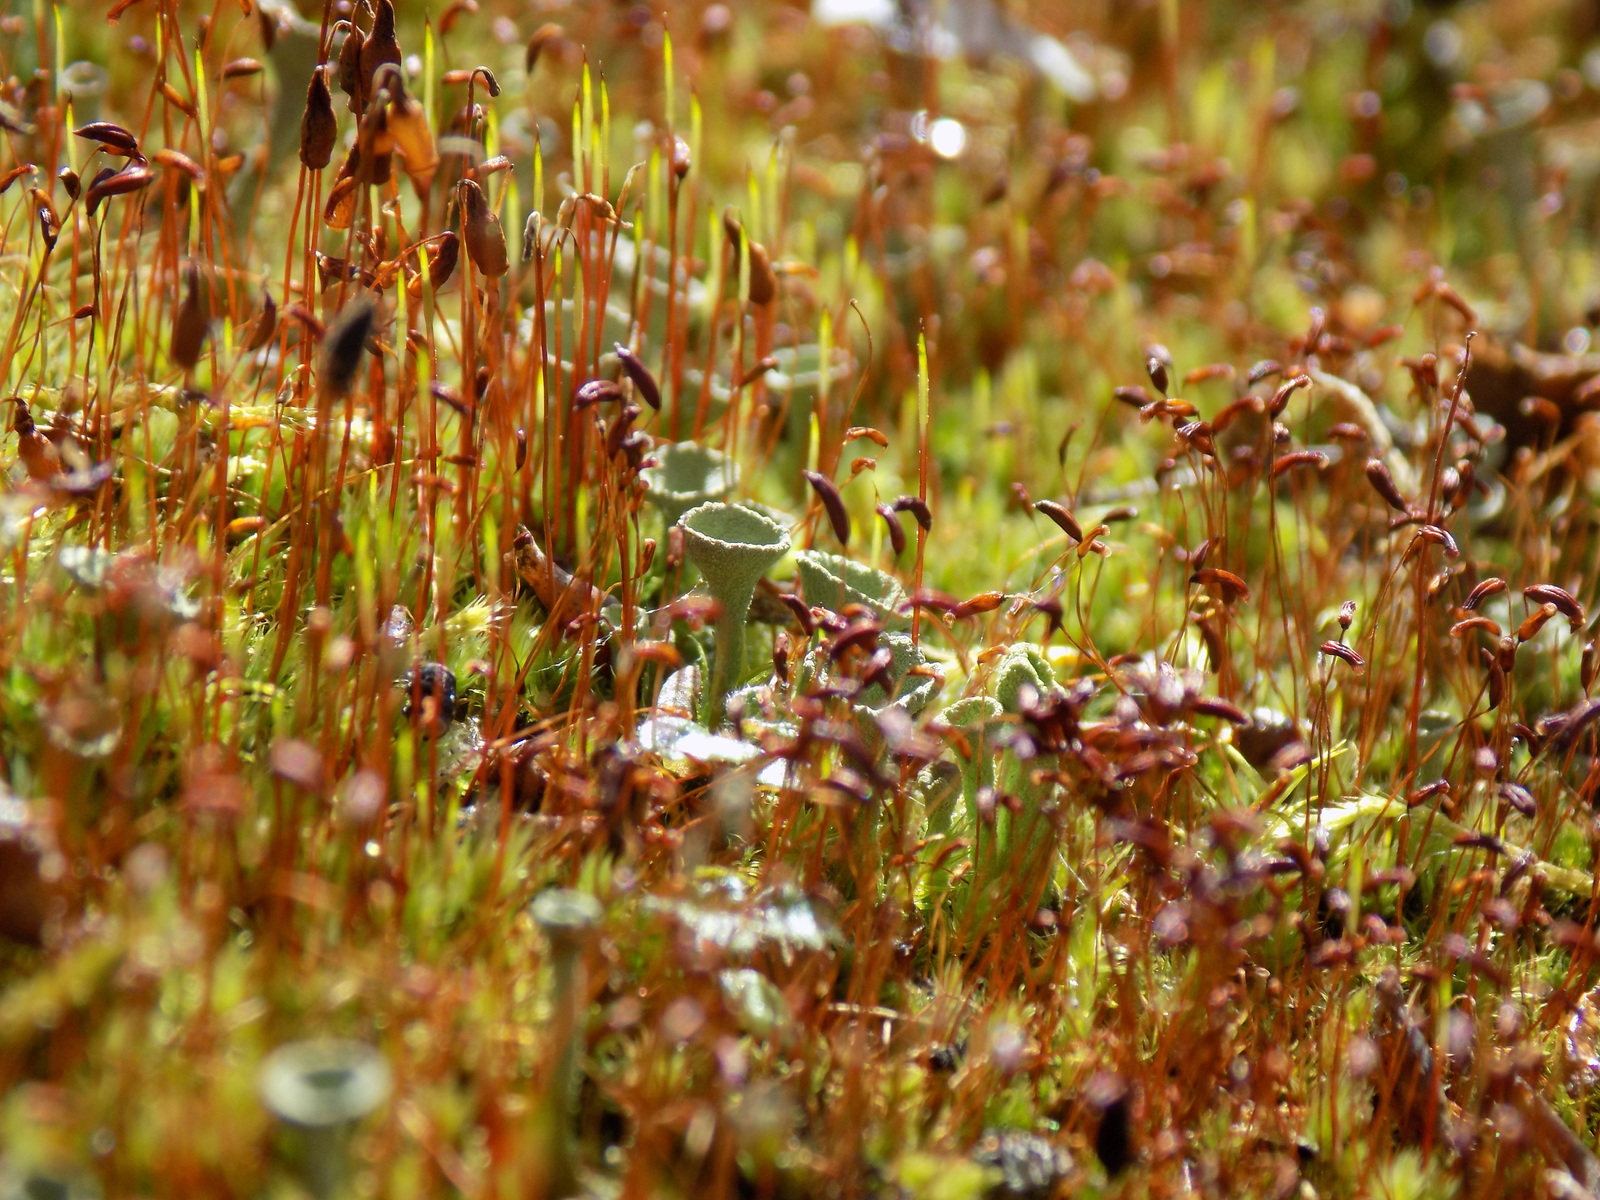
1184	881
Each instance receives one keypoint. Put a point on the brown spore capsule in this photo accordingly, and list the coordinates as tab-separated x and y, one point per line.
832	504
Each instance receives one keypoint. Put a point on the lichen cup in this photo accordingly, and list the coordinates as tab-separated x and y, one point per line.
321	1087
687	475
733	547
568	919
834	581
977	718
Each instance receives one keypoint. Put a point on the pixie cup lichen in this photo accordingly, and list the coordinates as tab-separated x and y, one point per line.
975	717
321	1087
686	475
733	547
834	581
568	919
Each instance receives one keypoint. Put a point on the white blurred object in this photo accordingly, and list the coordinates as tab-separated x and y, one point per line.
978	28
1060	66
854	12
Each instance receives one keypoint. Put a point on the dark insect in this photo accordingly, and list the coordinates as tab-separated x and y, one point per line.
430	696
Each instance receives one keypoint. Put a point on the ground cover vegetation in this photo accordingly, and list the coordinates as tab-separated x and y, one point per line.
702	600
